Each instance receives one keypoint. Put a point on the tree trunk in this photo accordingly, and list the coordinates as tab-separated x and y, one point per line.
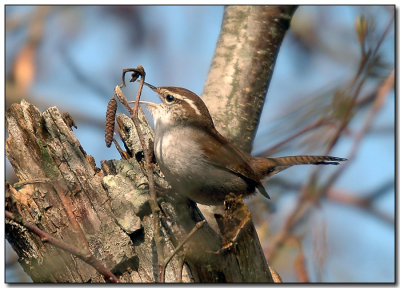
106	211
242	67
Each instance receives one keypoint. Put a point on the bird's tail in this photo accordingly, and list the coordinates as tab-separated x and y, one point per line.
271	166
300	160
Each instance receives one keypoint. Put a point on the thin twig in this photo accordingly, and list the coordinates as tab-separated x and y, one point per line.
121	97
285	232
179	247
300	263
85	255
19	184
278	145
381	95
135	74
372	52
139	92
347	117
384	34
148	167
363	79
120	150
88	258
364	202
360	202
302	205
181	262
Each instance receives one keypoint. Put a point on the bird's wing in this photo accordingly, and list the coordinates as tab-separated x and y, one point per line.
223	154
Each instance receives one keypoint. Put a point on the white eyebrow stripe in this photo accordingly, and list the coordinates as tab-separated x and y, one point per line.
187	100
193	105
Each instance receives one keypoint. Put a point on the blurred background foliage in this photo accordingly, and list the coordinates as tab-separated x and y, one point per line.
331	92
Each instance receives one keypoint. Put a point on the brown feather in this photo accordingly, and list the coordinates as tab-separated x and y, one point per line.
271	166
223	154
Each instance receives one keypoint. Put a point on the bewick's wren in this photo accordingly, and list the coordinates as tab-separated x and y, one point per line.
198	161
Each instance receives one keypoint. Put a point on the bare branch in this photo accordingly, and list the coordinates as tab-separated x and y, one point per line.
242	68
302	205
179	247
83	255
149	169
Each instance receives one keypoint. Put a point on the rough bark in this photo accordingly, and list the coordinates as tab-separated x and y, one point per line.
111	204
242	68
112	211
238	80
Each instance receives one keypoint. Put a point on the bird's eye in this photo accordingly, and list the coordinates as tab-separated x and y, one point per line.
169	98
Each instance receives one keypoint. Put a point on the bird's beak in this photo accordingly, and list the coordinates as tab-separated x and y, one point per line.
148	104
154	88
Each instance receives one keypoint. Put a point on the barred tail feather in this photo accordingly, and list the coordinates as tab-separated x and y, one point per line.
271	166
314	160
